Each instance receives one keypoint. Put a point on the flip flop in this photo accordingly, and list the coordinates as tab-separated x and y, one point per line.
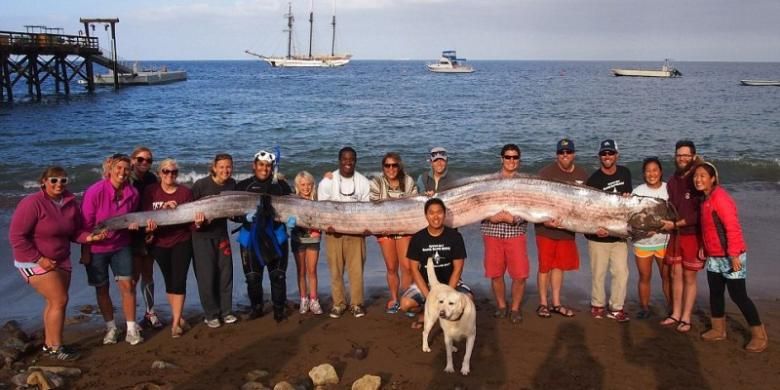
670	321
683	327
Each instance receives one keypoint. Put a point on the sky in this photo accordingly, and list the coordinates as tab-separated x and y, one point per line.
645	30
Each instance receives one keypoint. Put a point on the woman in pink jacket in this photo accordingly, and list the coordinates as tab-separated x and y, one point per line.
725	250
42	228
108	198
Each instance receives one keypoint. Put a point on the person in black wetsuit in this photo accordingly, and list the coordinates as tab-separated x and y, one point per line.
264	181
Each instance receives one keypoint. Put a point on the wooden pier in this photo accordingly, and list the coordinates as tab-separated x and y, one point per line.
37	56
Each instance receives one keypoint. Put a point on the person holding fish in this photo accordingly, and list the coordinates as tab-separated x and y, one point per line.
265	181
212	257
171	245
394	183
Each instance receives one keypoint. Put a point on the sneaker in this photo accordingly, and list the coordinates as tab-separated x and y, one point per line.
618	315
153	321
212	323
279	313
357	311
229	319
112	334
337	311
597	312
60	353
314	306
304	305
133	336
256	312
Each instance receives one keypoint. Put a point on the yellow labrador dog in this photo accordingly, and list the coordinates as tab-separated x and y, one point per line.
457	317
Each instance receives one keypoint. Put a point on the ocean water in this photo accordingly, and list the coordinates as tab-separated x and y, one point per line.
379	106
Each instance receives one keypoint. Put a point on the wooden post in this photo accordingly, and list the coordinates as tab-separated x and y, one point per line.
65	78
34	76
7	79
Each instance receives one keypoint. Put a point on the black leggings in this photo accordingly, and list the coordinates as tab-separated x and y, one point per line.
737	292
174	264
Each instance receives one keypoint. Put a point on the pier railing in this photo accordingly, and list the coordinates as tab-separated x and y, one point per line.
16	42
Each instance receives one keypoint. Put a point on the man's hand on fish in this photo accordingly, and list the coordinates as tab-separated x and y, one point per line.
502	216
668	225
602	232
554	223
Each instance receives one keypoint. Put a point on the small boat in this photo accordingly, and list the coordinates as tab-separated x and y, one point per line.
147	76
761	83
292	60
666	71
450	63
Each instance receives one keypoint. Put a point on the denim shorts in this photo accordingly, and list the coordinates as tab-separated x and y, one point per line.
120	261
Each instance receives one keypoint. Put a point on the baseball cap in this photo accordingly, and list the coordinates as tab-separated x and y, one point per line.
608	145
438	153
565	144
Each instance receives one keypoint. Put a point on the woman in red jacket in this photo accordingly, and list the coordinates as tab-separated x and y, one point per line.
725	250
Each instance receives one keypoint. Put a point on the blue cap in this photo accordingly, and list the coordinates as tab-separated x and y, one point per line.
565	144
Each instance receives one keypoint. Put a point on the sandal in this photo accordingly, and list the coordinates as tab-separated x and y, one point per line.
670	321
543	311
683	327
418	324
562	310
516	316
410	314
393	308
500	313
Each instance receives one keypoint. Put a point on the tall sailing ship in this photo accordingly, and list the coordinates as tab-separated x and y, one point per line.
292	60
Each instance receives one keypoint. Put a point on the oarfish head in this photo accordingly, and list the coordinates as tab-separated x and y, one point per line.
650	218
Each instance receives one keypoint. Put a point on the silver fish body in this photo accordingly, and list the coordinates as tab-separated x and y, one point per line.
580	209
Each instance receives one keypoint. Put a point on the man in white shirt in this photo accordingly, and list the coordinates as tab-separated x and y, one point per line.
345	251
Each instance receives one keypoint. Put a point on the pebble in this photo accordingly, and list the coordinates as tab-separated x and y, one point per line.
367	382
324	374
254	375
252	385
162	364
359	353
284	386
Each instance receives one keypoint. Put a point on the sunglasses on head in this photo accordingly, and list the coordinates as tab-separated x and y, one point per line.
438	154
565	152
55	180
141	160
391	165
511	157
607	153
170	172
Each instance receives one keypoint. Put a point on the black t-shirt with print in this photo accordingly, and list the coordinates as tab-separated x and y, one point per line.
443	249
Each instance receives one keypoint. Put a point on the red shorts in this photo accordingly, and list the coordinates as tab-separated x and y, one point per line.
502	254
557	254
684	249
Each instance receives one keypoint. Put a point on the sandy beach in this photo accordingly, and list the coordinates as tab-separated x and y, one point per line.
579	352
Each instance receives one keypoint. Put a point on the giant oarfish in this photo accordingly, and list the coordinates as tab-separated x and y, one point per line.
580	209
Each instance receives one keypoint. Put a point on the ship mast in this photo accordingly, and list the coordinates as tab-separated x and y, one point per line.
333	40
289	30
311	25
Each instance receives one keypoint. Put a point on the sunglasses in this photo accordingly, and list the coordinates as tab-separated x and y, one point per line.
391	165
607	153
561	152
141	160
55	180
174	172
511	157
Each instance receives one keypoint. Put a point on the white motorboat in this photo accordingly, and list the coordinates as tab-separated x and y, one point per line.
292	60
667	71
761	83
450	63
